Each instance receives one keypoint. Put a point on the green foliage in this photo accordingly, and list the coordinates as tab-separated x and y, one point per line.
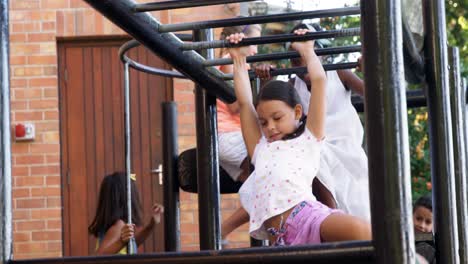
419	152
336	23
457	29
457	34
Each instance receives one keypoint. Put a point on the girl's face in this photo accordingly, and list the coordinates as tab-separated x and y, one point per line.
277	119
253	48
422	219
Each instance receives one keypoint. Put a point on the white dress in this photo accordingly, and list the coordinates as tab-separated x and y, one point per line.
343	162
284	171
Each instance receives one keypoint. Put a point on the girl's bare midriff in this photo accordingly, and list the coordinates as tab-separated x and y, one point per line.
276	222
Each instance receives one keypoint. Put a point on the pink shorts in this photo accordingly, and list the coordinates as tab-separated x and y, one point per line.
303	224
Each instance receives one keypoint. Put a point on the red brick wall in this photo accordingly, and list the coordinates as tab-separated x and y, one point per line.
34	27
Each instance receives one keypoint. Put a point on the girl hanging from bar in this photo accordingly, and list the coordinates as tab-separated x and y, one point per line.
342	180
285	150
343	163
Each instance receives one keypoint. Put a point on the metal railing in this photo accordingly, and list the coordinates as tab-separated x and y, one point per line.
385	107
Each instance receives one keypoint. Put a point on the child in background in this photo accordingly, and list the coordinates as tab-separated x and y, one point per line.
422	221
422	214
232	151
109	224
285	150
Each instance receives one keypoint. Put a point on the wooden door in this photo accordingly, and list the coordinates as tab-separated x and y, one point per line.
92	132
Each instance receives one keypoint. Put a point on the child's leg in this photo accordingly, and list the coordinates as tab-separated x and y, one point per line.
343	227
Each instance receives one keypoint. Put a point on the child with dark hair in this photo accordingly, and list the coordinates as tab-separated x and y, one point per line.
422	221
342	180
285	149
422	214
109	224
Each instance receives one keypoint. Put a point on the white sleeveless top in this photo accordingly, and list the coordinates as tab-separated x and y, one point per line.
284	171
343	162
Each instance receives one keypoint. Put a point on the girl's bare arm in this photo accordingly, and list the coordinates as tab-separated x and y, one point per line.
234	107
142	234
351	81
317	106
249	122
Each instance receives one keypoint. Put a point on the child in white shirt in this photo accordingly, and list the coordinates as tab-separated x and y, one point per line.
286	155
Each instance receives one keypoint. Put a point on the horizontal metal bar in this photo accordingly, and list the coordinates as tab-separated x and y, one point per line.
298	70
184	37
284	55
143	26
175	4
239	21
156	71
326	67
343	252
414	99
145	68
271	39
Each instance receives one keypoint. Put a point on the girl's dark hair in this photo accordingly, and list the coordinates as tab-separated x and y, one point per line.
112	204
423	201
285	92
279	90
247	30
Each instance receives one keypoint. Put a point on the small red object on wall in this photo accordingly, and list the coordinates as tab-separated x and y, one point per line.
20	131
24	131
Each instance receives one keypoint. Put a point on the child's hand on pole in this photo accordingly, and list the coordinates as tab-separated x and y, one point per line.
303	47
237	52
127	232
263	71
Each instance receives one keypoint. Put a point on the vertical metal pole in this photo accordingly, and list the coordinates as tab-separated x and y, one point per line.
440	133
170	173
464	84
256	85
457	102
131	247
5	137
387	131
207	159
